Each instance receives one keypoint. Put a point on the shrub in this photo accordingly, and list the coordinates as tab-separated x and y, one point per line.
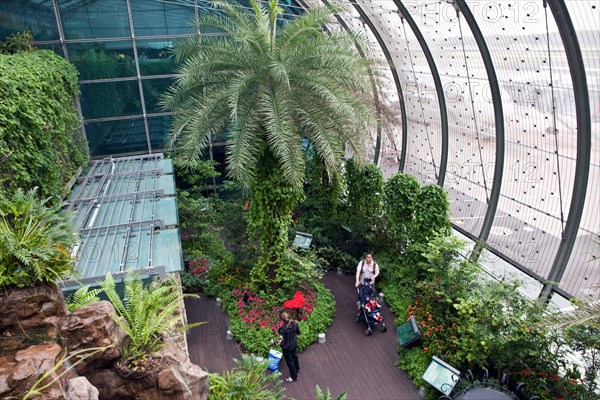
40	140
365	195
35	238
336	258
246	381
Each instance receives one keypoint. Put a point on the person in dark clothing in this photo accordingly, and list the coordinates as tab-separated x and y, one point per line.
289	345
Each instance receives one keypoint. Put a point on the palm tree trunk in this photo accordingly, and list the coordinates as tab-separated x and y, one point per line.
273	201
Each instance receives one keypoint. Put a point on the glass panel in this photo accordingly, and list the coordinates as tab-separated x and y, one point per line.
159	128
103	60
55	47
15	15
503	271
94	19
539	164
155	56
153	90
110	99
582	275
471	124
152	18
116	137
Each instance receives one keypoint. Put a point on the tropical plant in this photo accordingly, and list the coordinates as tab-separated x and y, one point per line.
269	90
82	297
584	338
246	381
35	238
40	140
400	201
320	395
145	313
365	195
21	41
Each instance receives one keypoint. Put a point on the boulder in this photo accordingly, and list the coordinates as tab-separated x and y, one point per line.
81	389
175	382
196	380
92	326
20	372
110	385
30	312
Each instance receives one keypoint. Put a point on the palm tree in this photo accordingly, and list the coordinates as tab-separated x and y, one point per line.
269	90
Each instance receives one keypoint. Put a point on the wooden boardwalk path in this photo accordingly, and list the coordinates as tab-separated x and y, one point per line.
349	360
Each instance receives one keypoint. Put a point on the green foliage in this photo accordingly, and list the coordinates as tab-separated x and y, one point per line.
319	213
495	325
234	227
82	297
319	320
35	238
432	213
271	89
269	92
246	381
194	175
297	266
401	194
585	339
40	140
269	217
195	211
18	42
145	313
365	195
256	339
414	361
336	258
327	395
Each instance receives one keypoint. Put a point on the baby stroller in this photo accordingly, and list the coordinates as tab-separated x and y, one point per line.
365	293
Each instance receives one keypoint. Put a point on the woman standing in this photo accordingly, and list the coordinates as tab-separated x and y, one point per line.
289	344
366	271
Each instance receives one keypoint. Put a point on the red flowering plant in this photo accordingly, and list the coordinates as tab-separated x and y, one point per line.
438	334
296	303
255	320
194	277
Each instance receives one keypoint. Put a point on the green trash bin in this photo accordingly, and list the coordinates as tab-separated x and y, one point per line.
408	332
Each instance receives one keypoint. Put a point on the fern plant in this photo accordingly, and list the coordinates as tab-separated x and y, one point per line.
246	381
82	297
145	313
327	396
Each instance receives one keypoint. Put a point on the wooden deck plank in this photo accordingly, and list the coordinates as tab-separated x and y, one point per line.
349	360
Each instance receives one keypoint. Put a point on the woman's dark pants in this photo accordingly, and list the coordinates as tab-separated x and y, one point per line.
291	359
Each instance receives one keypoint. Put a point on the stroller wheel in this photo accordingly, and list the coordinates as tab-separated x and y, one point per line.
383	327
368	332
357	318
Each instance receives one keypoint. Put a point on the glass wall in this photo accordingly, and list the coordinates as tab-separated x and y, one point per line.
515	147
122	50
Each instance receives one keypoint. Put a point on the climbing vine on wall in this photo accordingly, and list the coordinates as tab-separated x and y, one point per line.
40	139
365	192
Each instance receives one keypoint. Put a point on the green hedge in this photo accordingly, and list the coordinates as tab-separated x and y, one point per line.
40	140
